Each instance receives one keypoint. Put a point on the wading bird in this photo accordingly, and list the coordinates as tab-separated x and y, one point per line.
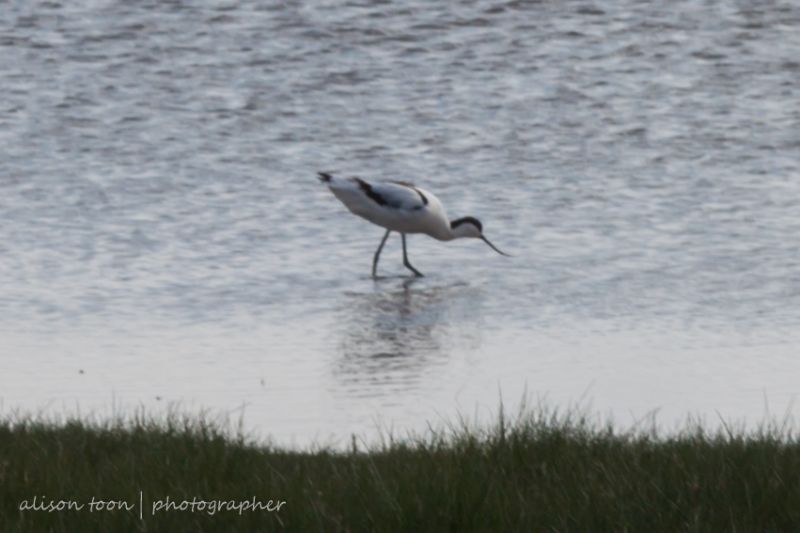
402	207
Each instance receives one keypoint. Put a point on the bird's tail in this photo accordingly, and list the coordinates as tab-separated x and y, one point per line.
325	177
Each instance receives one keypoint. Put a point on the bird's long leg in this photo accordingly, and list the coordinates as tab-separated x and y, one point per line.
405	258
378	253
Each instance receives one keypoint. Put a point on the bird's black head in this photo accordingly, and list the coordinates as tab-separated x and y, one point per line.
464	221
471	227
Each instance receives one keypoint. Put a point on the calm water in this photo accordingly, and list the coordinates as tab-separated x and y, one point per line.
163	238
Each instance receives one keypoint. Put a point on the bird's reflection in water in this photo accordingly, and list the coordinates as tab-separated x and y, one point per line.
401	329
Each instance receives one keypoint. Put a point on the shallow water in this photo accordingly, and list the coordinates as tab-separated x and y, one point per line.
165	240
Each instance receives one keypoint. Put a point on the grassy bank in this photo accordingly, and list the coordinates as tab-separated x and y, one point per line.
539	472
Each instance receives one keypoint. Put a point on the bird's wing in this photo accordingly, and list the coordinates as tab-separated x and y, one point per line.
393	194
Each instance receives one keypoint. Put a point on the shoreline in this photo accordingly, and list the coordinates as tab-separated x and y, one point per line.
539	470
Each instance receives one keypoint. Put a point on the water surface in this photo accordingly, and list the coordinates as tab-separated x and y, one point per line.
164	240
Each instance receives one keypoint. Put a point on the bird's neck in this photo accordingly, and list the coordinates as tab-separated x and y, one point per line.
457	233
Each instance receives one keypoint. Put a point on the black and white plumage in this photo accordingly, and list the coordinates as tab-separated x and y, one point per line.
404	208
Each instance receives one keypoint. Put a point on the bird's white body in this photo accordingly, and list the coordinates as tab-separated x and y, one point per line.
396	206
404	208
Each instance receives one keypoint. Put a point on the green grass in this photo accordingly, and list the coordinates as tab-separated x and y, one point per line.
542	471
